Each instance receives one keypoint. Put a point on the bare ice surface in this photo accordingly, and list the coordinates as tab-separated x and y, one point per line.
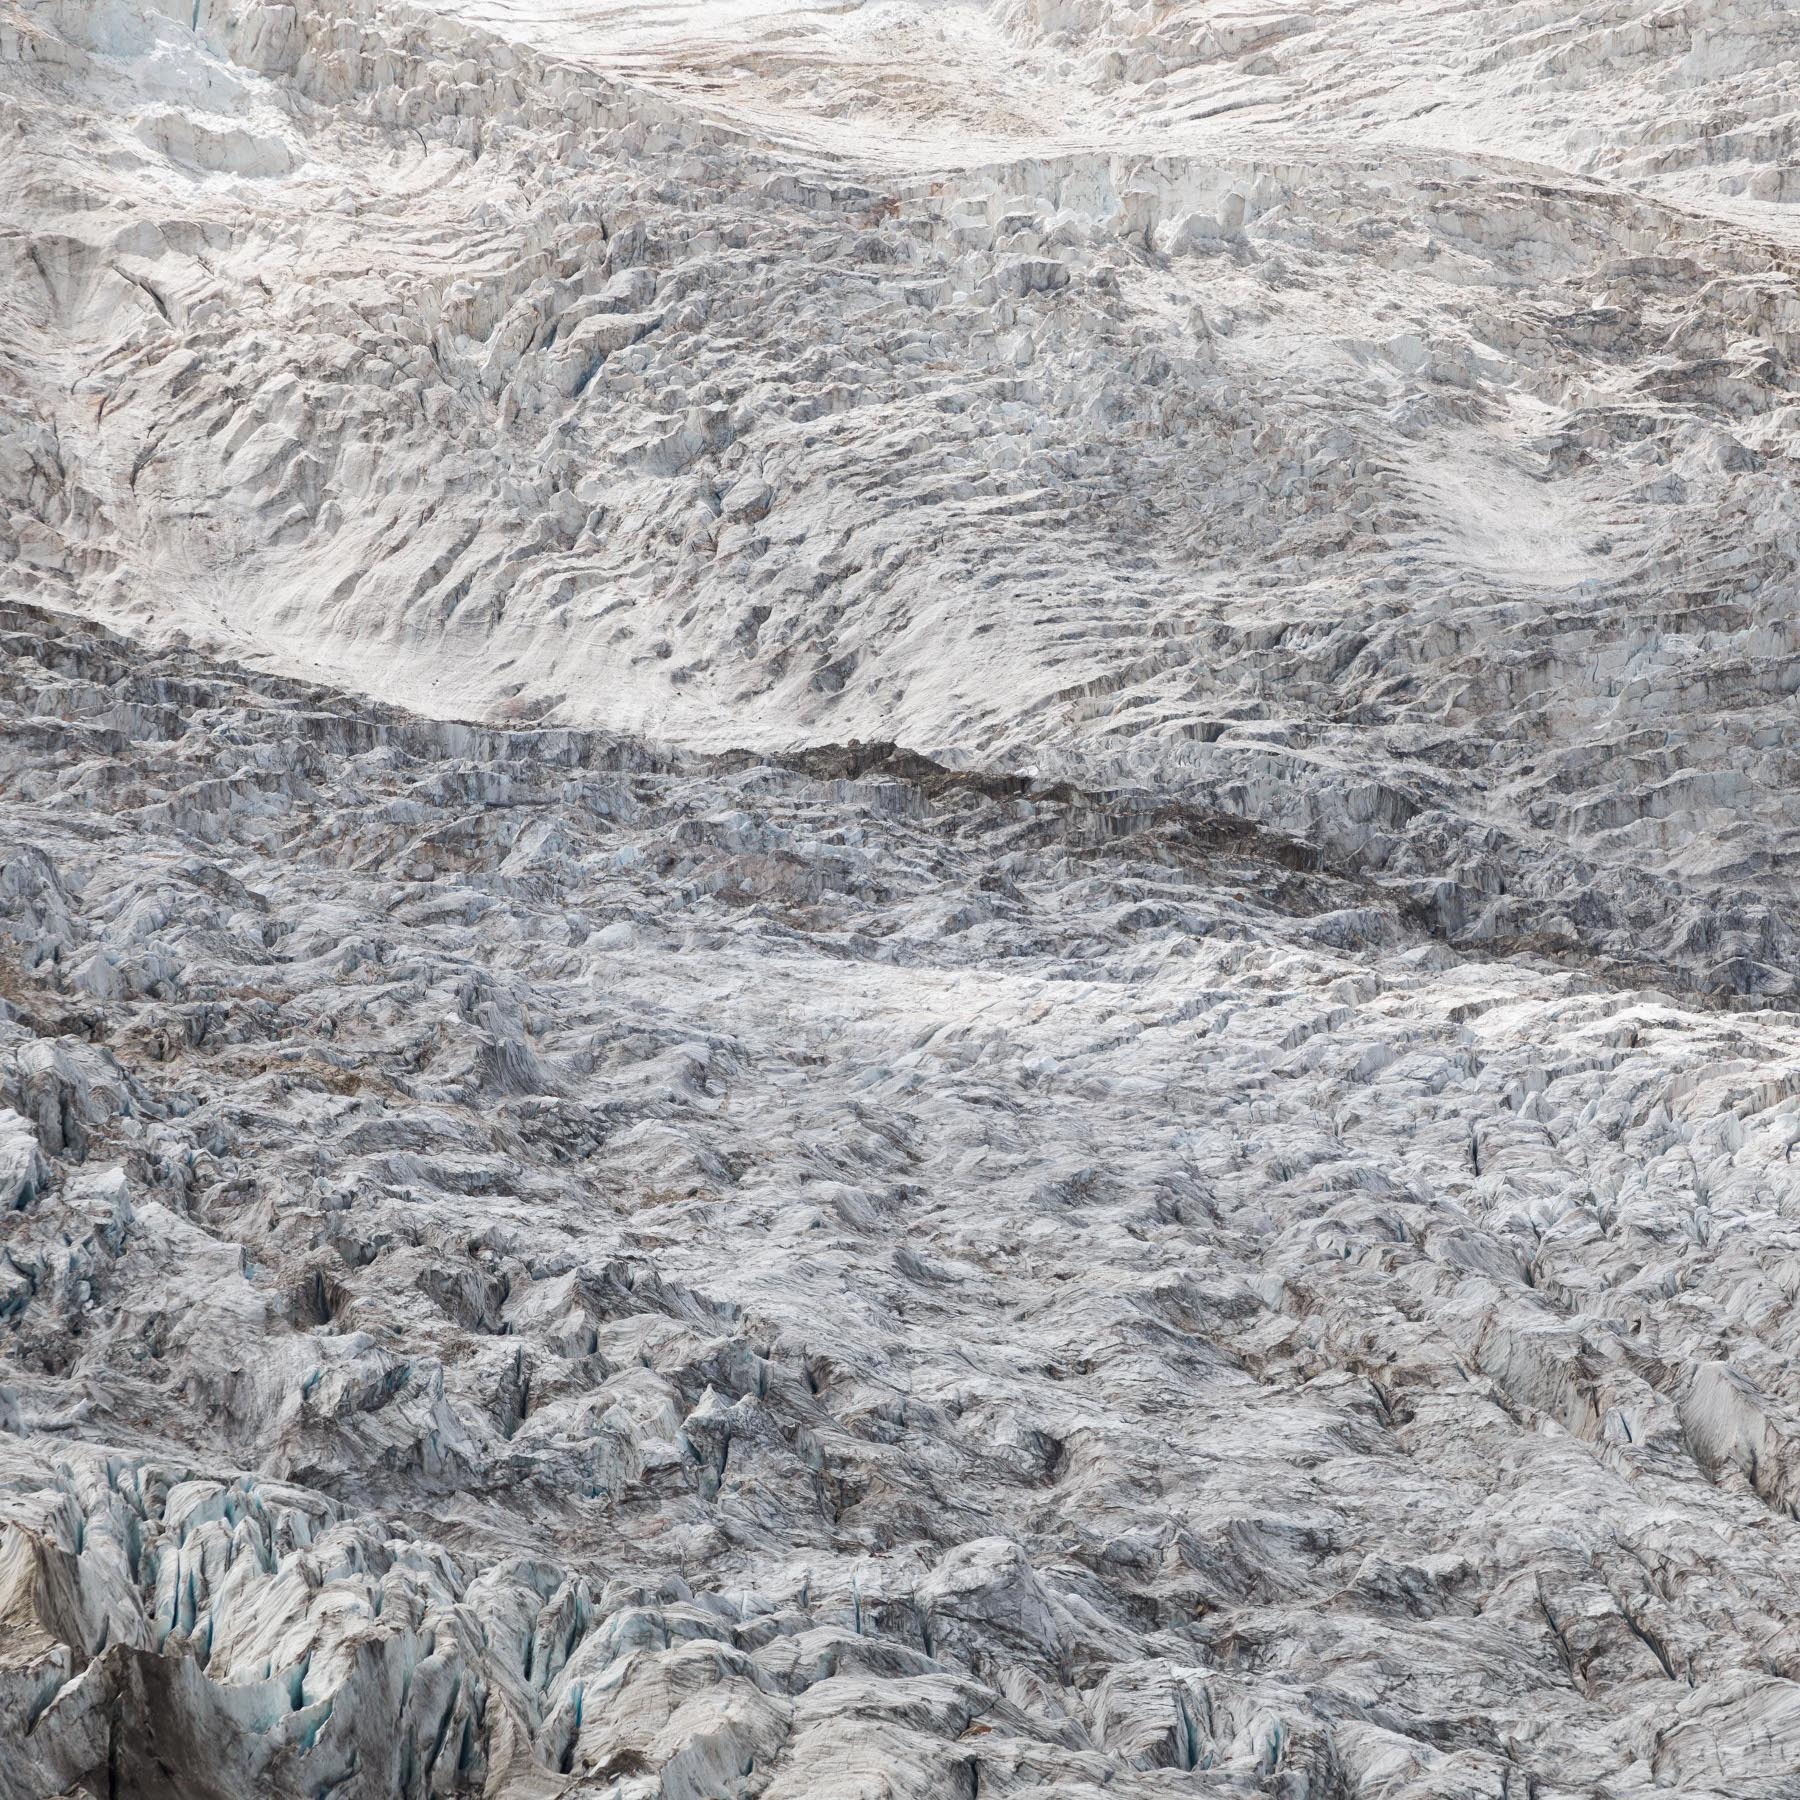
898	900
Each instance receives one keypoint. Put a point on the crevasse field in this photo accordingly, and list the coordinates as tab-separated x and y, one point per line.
899	901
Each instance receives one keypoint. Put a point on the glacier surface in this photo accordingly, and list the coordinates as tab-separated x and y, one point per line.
898	900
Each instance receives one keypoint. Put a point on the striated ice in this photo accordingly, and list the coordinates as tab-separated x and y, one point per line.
590	1269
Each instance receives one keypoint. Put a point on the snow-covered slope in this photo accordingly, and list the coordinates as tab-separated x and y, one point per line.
1373	419
1080	1076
